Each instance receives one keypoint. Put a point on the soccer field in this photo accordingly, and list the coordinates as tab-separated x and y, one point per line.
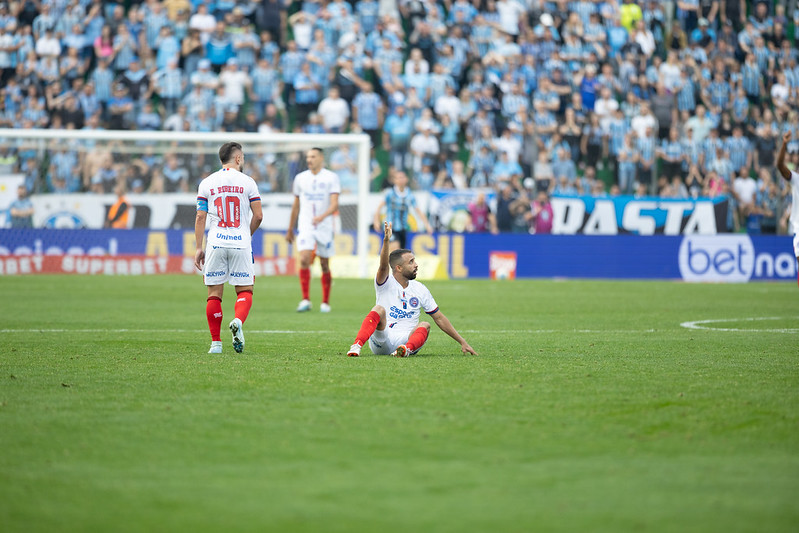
593	406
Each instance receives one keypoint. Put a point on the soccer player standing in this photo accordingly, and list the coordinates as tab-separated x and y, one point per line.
316	193
392	326
399	202
793	178
235	213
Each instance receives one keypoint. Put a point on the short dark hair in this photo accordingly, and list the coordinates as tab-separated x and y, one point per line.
228	150
395	257
317	149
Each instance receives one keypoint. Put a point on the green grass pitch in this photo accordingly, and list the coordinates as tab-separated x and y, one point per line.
590	408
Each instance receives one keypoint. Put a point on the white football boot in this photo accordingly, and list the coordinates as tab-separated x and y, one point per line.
354	351
216	347
324	308
238	335
305	305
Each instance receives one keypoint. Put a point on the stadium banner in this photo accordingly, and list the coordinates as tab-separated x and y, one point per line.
699	258
596	215
166	211
124	265
614	215
447	209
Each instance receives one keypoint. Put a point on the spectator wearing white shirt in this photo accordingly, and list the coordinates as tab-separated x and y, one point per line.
510	11
48	45
669	71
643	121
604	108
744	191
417	63
645	38
780	91
424	147
234	81
335	112
507	143
448	104
203	21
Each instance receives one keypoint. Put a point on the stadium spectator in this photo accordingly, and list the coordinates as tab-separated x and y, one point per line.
481	218
119	213
540	217
399	203
334	111
424	147
397	132
21	210
203	22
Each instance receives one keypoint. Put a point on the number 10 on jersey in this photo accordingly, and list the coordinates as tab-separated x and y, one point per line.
228	209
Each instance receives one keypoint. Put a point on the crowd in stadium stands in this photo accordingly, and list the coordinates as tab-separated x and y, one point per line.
677	99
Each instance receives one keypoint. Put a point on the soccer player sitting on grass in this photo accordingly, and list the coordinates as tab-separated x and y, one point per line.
392	326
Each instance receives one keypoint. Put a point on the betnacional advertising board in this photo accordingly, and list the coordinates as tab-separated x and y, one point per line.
734	258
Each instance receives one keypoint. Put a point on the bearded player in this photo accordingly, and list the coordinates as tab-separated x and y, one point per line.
235	213
316	192
392	326
793	178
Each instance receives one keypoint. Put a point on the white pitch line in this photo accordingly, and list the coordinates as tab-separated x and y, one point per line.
143	330
539	331
313	332
700	324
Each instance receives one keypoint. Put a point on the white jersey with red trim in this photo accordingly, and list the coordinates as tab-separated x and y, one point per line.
795	203
226	195
314	192
404	306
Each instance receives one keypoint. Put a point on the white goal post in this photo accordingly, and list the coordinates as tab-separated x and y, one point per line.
38	146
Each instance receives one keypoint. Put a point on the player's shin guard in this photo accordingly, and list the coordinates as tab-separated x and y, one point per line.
305	283
417	339
243	305
327	279
213	311
368	326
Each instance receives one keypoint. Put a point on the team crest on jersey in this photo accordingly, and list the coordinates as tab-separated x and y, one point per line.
414	301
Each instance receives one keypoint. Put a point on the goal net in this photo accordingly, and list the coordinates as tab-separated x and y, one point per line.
74	175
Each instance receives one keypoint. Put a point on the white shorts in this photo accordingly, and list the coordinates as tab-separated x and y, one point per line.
228	264
386	341
796	245
319	240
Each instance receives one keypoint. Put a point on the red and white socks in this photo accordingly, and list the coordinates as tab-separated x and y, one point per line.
213	311
243	305
417	339
368	326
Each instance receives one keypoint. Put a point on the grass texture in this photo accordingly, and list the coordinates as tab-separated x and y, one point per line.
591	407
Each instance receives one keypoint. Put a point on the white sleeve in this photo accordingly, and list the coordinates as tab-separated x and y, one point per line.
382	288
253	194
202	196
296	189
794	177
335	184
428	302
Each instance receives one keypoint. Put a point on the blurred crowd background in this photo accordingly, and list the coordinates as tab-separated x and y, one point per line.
676	99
